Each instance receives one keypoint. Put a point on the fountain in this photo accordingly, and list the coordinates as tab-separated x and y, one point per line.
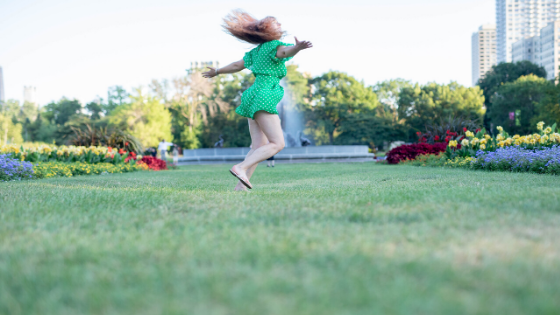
291	119
298	147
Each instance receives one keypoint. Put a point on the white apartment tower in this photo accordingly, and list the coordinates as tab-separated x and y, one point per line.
520	19
543	49
29	94
483	51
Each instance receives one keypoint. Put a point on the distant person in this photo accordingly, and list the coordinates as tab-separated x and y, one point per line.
258	103
162	148
270	161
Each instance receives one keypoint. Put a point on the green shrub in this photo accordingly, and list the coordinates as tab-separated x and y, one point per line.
56	169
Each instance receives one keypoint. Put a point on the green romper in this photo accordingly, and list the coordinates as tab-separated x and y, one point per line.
266	92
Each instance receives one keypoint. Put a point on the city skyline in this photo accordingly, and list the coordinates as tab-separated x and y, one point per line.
520	19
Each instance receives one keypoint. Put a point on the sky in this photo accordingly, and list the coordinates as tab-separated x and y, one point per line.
80	48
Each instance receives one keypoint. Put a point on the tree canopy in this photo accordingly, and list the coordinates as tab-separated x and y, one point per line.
514	104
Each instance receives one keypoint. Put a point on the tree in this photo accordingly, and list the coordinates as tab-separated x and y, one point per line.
504	73
548	109
95	108
60	112
145	118
388	95
10	129
337	95
420	106
116	96
369	129
514	104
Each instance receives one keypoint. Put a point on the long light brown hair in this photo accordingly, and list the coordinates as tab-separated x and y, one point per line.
245	27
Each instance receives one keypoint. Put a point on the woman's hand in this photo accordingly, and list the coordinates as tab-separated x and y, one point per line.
211	73
290	51
303	44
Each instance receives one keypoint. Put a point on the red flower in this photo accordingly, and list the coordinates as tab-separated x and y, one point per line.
110	149
154	163
465	129
477	130
121	151
447	132
447	138
133	154
411	151
126	143
423	139
436	138
418	133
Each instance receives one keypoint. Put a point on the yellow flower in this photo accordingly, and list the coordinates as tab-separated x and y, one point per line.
474	141
544	138
469	134
482	147
548	130
483	141
487	137
452	143
500	129
516	137
465	143
500	137
540	125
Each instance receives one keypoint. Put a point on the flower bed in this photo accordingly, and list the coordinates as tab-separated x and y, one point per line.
13	169
411	151
518	159
153	163
60	169
481	141
68	154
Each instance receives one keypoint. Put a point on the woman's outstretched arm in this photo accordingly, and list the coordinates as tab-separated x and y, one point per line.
231	68
290	51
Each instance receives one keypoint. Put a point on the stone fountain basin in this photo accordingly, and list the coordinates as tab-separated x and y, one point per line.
325	153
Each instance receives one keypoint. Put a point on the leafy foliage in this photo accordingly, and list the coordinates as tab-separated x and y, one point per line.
501	74
514	104
420	106
336	96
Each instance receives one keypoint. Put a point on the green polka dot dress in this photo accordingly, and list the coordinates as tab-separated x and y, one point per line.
266	92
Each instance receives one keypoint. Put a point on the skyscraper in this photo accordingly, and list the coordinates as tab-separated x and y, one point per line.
483	51
29	94
541	49
2	95
519	19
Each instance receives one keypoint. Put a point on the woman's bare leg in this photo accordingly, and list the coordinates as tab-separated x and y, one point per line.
258	139
269	124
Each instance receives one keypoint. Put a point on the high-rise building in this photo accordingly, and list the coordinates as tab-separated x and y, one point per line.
29	94
483	51
543	49
520	19
2	95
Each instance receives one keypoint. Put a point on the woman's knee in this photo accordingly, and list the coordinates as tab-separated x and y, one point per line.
279	145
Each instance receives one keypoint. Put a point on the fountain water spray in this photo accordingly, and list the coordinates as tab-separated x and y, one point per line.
291	118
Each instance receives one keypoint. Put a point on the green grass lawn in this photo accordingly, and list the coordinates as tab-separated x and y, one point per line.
309	239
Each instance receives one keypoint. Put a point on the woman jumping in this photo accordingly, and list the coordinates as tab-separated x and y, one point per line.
258	103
